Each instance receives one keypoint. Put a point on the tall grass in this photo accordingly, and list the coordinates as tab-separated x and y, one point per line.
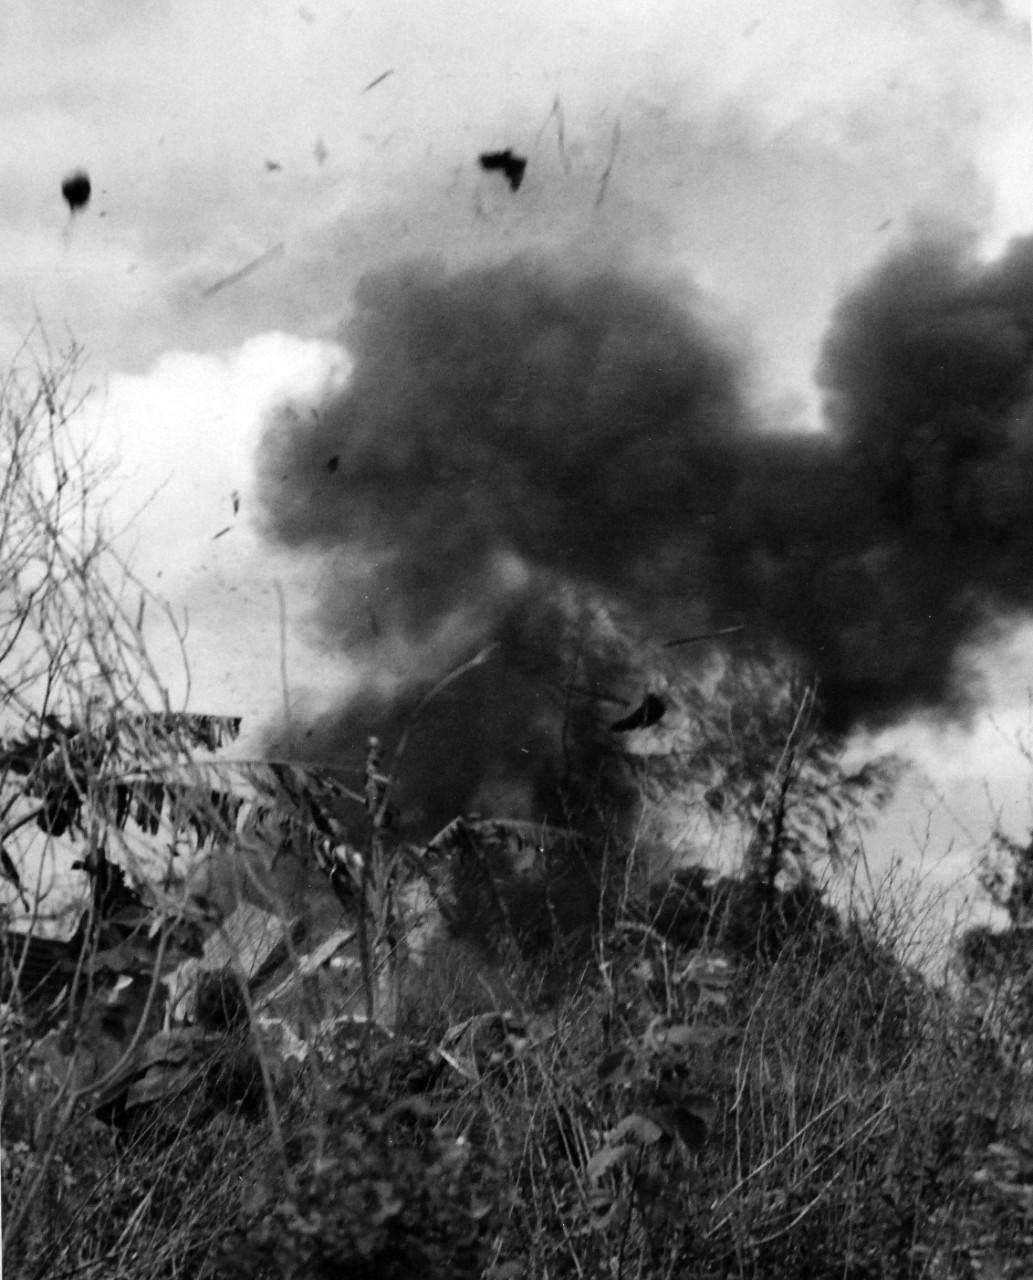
816	1109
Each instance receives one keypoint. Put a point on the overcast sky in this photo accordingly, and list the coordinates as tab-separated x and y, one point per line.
766	155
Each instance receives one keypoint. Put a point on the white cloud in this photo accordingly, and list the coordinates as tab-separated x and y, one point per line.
185	434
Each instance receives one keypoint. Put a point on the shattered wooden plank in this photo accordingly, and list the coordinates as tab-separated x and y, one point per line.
308	965
245	941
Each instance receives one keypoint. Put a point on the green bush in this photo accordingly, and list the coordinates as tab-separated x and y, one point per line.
383	1194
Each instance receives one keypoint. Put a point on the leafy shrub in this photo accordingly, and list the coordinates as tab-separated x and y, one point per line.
378	1193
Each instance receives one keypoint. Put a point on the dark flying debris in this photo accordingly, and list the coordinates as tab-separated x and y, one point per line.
649	713
273	166
885	226
703	635
270	255
76	190
507	163
333	463
320	151
221	532
235	499
379	79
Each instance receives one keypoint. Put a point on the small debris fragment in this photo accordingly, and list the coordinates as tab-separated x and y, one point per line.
604	181
76	190
320	151
512	166
306	15
273	166
235	499
379	79
333	463
270	255
649	713
703	635
221	532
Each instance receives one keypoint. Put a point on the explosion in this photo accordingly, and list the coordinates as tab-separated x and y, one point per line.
523	454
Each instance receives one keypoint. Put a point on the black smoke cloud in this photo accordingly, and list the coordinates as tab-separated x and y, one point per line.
508	435
883	549
578	426
512	435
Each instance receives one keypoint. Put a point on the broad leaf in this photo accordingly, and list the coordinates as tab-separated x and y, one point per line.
606	1157
639	1127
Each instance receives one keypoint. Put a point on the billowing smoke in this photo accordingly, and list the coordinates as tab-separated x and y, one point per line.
510	439
516	438
884	548
506	417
